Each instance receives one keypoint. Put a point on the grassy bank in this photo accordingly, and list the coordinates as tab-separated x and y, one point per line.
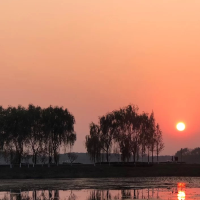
90	171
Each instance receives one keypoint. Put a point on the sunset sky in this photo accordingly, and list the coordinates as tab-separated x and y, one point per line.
95	56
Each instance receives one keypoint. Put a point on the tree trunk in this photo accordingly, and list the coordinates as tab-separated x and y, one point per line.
157	156
34	159
107	157
142	157
137	155
134	158
152	154
19	157
148	155
55	156
94	160
49	154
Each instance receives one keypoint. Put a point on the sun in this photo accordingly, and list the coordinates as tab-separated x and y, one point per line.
180	126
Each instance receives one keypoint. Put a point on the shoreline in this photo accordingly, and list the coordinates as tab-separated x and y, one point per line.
99	171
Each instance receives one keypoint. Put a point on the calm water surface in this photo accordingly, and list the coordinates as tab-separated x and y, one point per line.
164	188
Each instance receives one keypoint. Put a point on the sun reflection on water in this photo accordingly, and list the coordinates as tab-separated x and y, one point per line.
181	195
181	192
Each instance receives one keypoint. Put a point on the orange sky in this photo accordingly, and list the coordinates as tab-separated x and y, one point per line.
95	56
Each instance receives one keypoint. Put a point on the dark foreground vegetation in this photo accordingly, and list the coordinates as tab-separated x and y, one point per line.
35	135
99	171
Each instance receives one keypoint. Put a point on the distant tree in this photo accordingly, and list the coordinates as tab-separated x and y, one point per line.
35	135
59	129
129	131
152	134
9	153
2	124
195	152
43	155
159	141
93	143
72	157
16	129
116	151
183	153
144	137
125	148
26	156
133	132
107	133
35	130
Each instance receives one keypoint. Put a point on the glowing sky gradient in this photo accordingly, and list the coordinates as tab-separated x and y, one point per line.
95	56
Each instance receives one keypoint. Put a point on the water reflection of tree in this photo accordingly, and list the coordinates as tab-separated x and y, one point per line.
106	194
116	197
72	196
25	196
147	193
130	194
42	196
126	194
36	195
95	195
99	195
6	197
55	196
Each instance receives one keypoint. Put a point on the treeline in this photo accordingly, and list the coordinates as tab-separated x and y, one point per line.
189	155
35	132
124	132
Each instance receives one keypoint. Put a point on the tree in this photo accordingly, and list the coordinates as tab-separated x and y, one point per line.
195	151
152	134
125	148
159	141
127	128
184	153
26	156
16	121
35	134
72	157
116	151
93	143
32	131
59	129
129	133
9	152
144	135
2	131
107	133
43	155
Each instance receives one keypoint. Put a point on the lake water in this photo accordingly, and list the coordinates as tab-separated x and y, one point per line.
165	188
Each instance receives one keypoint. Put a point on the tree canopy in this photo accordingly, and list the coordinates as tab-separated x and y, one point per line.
135	135
35	131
